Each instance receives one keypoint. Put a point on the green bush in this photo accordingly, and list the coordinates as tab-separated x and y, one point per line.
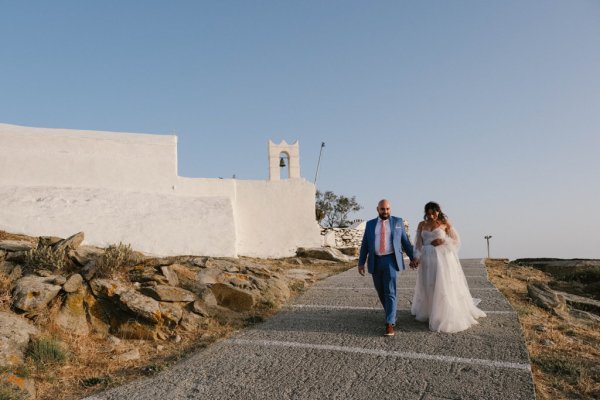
116	257
46	351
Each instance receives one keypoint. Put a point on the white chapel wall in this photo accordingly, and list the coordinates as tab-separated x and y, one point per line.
66	157
124	187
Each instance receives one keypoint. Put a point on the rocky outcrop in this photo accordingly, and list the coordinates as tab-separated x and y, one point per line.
150	300
563	304
324	253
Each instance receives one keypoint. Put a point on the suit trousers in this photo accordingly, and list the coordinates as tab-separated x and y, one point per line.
384	279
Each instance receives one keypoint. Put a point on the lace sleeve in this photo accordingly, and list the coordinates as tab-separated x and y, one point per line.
453	239
419	241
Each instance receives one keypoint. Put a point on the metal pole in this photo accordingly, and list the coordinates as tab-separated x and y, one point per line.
487	238
319	162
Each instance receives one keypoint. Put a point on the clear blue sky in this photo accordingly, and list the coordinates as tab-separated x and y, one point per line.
491	108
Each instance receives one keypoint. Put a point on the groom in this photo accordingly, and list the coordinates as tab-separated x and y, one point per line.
383	242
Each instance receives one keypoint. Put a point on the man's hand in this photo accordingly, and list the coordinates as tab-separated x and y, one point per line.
361	270
414	264
437	242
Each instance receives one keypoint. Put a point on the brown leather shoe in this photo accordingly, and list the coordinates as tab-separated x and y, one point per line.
389	330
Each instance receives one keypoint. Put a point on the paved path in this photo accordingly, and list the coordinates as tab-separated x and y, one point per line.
329	345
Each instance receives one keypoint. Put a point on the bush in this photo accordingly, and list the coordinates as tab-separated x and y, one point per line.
8	393
115	258
45	257
46	351
557	366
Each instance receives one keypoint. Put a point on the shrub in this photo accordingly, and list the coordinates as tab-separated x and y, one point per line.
46	351
47	258
115	258
8	393
557	366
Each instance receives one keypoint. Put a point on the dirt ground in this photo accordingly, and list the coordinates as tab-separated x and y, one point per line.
564	352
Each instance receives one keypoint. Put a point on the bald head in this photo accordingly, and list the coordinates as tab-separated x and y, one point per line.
384	209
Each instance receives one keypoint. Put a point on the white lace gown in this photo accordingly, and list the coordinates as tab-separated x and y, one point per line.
441	294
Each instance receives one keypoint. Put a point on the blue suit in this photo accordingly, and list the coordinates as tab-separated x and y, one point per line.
384	270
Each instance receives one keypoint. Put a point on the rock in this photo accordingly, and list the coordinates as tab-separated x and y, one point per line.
107	288
192	322
580	302
580	314
137	330
237	280
259	270
278	290
349	251
140	305
221	263
171	276
11	271
200	308
144	274
20	387
297	274
98	316
15	246
72	314
233	298
59	280
115	341
207	296
84	254
168	293
543	296
131	355
171	312
323	253
89	270
15	332
48	240
548	342
32	293
73	283
540	328
72	242
208	276
43	272
189	278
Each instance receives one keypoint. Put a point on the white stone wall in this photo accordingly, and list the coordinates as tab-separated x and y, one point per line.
124	187
73	158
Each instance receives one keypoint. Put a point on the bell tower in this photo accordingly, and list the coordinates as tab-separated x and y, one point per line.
282	156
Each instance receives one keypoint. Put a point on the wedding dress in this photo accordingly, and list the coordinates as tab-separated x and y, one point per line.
441	294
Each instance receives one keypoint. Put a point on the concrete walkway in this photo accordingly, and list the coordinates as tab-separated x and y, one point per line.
329	345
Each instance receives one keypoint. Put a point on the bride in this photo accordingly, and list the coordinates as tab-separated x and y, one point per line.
441	293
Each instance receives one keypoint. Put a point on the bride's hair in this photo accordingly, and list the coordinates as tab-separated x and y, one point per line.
433	206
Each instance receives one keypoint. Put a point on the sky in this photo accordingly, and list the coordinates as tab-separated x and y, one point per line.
491	108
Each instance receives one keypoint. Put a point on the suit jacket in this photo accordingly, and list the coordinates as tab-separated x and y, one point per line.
399	242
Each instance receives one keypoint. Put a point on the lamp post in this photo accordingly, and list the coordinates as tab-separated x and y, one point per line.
318	163
487	238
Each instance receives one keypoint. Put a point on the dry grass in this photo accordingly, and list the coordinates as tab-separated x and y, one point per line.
565	354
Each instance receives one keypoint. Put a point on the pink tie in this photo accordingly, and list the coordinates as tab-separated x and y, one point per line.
382	239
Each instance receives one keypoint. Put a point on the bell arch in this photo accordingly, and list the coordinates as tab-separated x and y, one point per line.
292	163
